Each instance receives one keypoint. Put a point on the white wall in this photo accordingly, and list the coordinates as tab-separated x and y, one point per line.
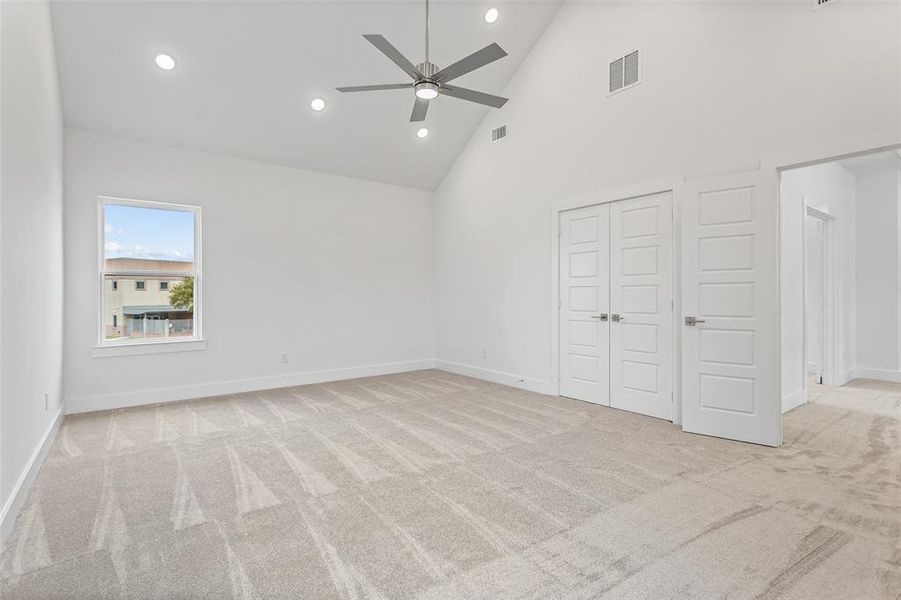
335	272
828	187
878	258
31	238
723	85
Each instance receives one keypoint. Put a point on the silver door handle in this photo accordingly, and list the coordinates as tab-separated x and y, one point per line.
692	321
602	317
617	317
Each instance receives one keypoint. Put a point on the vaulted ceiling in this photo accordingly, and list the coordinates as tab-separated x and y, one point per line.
246	72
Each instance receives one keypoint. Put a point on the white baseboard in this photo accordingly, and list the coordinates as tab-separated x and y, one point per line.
19	492
846	376
534	385
793	400
880	374
79	404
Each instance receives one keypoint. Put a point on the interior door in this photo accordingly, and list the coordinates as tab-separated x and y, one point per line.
730	330
641	319
584	304
816	295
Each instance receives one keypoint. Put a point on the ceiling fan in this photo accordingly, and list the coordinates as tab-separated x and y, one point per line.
428	80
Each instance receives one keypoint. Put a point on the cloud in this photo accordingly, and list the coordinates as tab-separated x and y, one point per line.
116	250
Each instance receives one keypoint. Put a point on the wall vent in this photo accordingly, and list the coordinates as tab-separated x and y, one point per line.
625	72
498	133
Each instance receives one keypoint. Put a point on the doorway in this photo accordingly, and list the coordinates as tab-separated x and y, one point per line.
616	304
842	255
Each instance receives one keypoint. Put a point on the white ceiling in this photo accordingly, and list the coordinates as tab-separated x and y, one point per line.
875	161
246	72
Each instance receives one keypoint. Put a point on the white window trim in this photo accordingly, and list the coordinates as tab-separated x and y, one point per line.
104	347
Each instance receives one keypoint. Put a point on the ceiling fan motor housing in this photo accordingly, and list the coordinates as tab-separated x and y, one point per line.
428	69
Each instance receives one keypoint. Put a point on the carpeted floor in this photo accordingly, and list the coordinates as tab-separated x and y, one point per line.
431	485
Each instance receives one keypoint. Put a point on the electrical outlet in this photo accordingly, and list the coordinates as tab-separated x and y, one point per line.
46	400
485	353
285	358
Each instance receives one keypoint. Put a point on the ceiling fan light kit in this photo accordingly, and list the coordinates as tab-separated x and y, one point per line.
429	81
426	90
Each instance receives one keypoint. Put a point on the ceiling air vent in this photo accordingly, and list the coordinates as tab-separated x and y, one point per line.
498	133
625	72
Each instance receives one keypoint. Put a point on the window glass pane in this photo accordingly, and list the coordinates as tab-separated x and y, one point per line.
151	291
148	234
131	314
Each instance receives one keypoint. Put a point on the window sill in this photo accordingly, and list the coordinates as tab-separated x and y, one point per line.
135	348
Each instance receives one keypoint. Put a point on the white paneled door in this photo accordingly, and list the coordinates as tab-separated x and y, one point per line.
584	304
616	328
641	292
730	327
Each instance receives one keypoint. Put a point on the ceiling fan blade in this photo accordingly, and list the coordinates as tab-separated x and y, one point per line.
486	55
372	88
394	54
420	108
473	96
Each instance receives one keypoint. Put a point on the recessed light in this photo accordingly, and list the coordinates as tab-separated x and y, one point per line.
491	15
422	133
165	62
317	104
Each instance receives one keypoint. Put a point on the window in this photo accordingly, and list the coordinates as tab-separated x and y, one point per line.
143	242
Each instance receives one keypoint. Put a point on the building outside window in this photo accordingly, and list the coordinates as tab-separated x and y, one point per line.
153	249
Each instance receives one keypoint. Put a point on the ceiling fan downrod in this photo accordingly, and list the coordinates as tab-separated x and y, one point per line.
427	68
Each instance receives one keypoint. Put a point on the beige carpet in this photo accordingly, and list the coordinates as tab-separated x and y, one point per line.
431	485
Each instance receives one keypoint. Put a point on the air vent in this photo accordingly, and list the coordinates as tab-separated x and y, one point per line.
498	133
625	72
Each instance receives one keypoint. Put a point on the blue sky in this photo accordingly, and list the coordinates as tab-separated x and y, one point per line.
148	233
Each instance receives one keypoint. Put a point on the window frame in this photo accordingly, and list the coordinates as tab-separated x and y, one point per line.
196	341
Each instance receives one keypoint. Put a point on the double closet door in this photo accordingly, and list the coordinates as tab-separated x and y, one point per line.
616	309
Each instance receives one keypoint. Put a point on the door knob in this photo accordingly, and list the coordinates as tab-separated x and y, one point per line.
617	317
692	321
602	317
